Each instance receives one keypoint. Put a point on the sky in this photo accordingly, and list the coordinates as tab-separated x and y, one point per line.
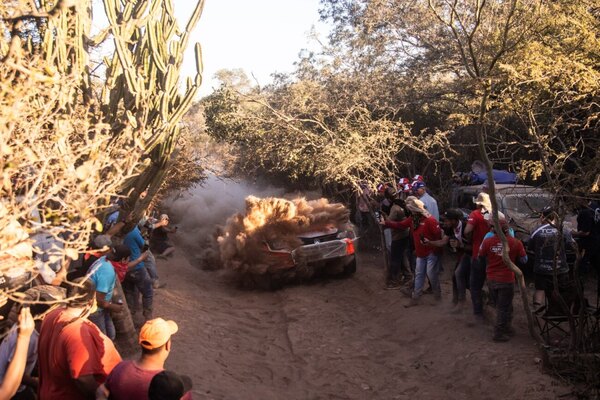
259	36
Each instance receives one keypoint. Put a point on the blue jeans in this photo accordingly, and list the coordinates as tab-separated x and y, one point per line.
477	280
104	322
150	265
387	234
462	276
138	281
427	266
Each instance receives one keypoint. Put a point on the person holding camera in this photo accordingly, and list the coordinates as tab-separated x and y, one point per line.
159	239
453	228
424	228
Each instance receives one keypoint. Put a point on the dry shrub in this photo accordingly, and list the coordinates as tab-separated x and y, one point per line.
58	165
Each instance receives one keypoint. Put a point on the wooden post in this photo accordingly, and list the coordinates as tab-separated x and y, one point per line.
492	192
386	256
126	340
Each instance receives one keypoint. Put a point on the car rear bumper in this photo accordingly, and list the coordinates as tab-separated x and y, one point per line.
324	251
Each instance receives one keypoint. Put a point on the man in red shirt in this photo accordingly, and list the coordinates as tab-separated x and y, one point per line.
130	380
424	228
475	231
501	280
74	357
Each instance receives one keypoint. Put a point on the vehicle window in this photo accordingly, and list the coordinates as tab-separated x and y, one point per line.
466	201
526	203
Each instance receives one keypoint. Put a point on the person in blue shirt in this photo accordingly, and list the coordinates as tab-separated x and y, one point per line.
103	274
137	280
420	189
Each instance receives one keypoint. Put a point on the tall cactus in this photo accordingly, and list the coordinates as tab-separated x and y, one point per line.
142	85
141	90
79	160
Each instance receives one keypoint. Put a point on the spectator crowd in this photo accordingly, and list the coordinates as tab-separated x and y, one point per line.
61	342
416	234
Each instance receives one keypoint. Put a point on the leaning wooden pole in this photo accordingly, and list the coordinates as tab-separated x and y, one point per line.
380	229
126	340
480	132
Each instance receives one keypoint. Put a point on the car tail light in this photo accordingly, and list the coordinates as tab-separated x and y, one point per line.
349	247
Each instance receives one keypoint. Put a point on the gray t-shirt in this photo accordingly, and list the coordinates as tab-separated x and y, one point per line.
431	205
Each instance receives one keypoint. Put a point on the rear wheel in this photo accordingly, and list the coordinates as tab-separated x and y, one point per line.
350	268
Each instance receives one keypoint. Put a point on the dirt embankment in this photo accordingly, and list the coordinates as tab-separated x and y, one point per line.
337	339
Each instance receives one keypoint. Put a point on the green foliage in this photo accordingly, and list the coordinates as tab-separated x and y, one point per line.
142	84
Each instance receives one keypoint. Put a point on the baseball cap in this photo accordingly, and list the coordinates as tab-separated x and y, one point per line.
167	385
501	219
547	211
102	241
418	185
121	251
156	332
403	181
407	188
163	216
418	178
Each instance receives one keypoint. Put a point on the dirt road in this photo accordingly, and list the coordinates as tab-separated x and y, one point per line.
337	339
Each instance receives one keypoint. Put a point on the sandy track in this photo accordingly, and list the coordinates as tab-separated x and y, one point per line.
337	339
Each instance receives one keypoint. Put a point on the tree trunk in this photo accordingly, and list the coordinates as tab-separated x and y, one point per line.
492	192
386	256
127	336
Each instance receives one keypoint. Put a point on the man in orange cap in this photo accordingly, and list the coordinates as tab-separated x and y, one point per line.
131	379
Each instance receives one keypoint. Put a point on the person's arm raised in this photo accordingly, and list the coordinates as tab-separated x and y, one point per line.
132	264
16	368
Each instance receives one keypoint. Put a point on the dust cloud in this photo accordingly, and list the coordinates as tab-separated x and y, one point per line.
278	222
225	223
200	213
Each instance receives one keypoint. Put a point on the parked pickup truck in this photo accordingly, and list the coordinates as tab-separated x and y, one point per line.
520	203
